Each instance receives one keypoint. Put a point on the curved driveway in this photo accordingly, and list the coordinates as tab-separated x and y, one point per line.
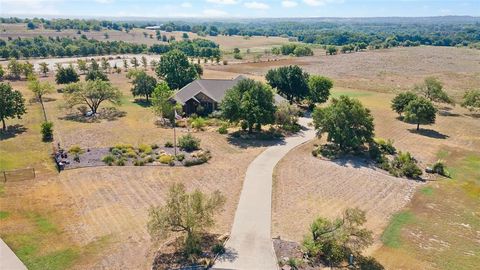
250	243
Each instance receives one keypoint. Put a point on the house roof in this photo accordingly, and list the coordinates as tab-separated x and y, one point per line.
213	88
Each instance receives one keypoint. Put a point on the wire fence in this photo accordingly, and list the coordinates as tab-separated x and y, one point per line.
18	175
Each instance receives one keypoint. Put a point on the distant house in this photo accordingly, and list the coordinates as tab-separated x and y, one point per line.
204	96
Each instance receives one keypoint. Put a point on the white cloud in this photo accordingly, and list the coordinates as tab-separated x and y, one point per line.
104	1
317	3
256	5
289	4
186	5
47	7
223	2
214	13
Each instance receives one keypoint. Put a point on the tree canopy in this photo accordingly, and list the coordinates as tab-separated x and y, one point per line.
187	213
432	89
400	101
91	94
420	111
471	100
40	89
250	101
290	81
349	125
12	103
319	88
66	75
176	70
143	84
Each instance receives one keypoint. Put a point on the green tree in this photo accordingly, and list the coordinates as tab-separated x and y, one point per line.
143	85
162	106
91	94
331	50
187	213
96	74
47	131
471	100
400	101
335	240
250	101
82	65
420	111
432	89
40	89
66	75
12	103
349	125
15	69
176	70
290	81
105	65
94	65
134	62
27	69
44	68
319	88
144	62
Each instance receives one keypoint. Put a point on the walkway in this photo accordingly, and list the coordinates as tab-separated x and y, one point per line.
250	245
8	259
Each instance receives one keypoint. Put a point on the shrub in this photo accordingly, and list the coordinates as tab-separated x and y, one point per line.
139	162
189	143
131	153
154	146
76	150
76	158
198	123
166	159
440	168
145	148
180	157
169	144
406	165
120	162
150	159
386	146
108	159
218	249
193	161
47	131
223	129
374	151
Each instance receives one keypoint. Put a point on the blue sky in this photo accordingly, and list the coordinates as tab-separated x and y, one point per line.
240	8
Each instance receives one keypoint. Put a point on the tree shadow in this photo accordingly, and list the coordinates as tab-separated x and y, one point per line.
429	133
258	139
229	256
109	114
448	113
356	162
473	115
12	131
143	102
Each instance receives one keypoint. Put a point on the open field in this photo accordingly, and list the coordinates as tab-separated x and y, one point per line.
107	206
306	187
255	43
387	70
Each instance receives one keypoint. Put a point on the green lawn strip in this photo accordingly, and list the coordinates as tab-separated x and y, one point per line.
428	191
337	94
391	236
4	214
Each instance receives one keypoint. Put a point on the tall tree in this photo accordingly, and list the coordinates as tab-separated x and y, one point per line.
105	65
471	100
12	103
420	111
44	68
14	69
96	74
82	65
250	101
432	89
162	106
187	213
143	85
66	75
176	70
319	88
349	125
144	62
40	89
400	101
290	81
91	94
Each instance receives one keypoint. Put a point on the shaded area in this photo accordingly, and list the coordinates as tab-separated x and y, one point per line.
109	114
12	131
429	133
254	142
143	102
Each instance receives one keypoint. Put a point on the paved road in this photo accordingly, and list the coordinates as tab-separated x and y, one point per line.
8	259
250	244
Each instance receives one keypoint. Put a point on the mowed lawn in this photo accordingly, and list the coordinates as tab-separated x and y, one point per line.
96	217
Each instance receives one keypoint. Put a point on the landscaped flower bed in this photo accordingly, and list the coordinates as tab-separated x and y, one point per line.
128	155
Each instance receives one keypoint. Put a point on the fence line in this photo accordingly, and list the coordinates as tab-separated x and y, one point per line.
18	175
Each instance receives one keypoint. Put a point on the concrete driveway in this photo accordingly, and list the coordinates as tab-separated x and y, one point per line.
250	244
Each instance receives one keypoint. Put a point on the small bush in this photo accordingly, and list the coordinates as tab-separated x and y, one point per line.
189	143
386	146
131	153
198	123
139	162
145	148
405	165
223	129
166	159
374	152
108	159
440	168
218	249
169	144
120	162
47	131
192	162
76	158
154	146
180	157
150	159
76	150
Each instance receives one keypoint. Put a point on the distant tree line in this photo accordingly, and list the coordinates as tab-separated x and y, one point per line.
63	24
60	47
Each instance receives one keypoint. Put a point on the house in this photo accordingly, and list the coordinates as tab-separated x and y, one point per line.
204	96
